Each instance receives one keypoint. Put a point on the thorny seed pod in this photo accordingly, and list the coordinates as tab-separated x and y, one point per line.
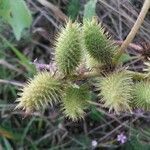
91	63
39	92
115	91
75	102
68	48
97	43
141	95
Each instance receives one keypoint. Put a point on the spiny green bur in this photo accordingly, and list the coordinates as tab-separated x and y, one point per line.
97	43
115	91
68	48
141	95
39	92
92	63
75	102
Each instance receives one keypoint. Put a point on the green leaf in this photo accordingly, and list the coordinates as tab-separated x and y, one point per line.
22	58
125	58
8	133
89	9
7	144
73	9
16	14
95	114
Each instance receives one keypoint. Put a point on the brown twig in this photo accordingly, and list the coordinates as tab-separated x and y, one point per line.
131	45
57	12
9	66
11	82
135	28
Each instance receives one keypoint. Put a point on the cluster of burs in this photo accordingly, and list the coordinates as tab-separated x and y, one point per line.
87	65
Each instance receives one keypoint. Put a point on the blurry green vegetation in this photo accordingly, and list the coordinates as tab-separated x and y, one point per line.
89	9
16	14
73	9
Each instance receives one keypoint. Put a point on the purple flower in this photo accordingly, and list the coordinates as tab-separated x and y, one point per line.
139	112
51	67
121	138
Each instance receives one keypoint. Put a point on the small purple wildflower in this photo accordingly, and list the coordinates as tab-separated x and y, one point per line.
139	112
50	67
121	138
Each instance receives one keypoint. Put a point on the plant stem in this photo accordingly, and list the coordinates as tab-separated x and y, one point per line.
137	75
87	75
134	29
92	74
57	12
11	82
84	76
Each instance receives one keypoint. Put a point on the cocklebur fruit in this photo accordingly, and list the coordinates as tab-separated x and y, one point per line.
115	91
75	101
68	48
141	95
97	42
39	92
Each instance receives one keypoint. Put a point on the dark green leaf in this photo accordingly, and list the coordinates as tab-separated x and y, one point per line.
95	115
73	9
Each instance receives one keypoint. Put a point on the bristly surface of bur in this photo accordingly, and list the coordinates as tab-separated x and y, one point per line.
68	48
75	101
92	63
39	92
141	95
115	91
97	43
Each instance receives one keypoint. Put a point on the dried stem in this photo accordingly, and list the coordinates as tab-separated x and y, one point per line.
11	82
135	28
57	12
131	45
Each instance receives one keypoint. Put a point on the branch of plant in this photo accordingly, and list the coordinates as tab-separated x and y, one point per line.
57	12
135	75
11	82
113	131
131	45
134	29
113	116
89	74
9	66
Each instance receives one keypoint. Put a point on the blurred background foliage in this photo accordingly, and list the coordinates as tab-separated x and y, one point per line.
27	32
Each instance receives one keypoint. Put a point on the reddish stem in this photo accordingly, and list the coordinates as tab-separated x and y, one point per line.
131	45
